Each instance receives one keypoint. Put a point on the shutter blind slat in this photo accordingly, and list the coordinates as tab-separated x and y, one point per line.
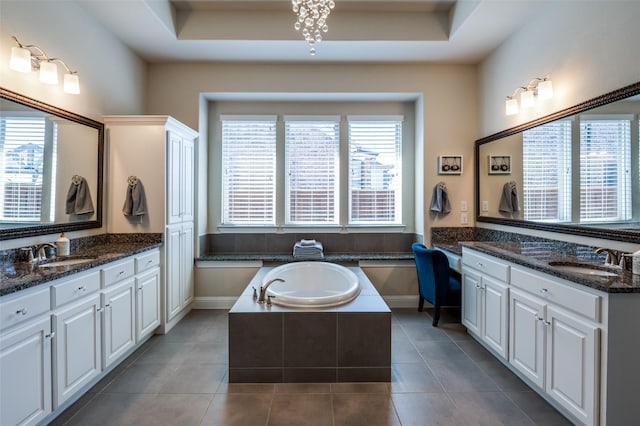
375	171
248	164
312	151
605	184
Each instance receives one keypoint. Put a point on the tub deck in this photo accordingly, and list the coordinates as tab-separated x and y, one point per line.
276	344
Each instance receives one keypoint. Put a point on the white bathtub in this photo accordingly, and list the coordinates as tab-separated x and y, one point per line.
312	284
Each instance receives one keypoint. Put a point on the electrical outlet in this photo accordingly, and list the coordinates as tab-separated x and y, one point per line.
463	206
464	220
485	206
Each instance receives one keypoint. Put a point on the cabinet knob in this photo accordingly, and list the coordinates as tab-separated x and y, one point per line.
480	265
544	291
22	311
50	335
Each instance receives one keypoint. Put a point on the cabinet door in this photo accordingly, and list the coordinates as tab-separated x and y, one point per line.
186	263
471	301
572	363
495	321
173	271
77	349
118	329
25	373
148	303
526	335
187	174
174	178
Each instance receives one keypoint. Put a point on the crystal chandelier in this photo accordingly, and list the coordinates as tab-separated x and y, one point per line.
312	19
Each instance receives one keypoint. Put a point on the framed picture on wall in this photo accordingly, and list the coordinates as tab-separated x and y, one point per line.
499	165
450	164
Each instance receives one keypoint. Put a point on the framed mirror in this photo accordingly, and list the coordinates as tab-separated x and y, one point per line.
51	168
576	171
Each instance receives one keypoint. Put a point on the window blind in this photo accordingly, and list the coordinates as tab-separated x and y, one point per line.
605	162
22	143
312	158
249	168
546	164
375	171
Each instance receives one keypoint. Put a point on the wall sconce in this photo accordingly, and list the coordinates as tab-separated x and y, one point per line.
540	87
27	58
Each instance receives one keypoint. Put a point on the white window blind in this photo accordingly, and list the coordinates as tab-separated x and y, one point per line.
605	175
375	170
546	164
312	157
22	145
249	168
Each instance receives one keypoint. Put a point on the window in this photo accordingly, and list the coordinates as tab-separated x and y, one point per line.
546	167
248	170
605	162
375	180
22	165
312	170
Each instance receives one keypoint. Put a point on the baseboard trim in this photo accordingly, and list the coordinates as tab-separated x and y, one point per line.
226	302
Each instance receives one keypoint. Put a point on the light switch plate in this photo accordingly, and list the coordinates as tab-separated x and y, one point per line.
463	206
464	219
485	206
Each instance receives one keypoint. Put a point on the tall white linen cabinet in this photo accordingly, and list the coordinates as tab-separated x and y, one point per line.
159	151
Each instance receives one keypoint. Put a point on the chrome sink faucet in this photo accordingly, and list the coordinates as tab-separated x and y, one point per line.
263	289
41	254
613	258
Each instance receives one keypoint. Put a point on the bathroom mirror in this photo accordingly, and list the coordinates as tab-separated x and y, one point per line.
50	168
576	171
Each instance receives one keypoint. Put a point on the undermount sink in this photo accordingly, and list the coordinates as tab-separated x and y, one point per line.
66	262
583	268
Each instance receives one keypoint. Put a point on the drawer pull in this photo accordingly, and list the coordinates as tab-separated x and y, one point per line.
120	273
544	291
82	288
149	262
480	265
50	335
478	286
22	311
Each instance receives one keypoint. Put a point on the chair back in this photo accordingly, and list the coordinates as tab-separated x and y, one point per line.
433	273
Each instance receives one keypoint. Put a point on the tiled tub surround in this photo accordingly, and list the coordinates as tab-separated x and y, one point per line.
16	275
346	343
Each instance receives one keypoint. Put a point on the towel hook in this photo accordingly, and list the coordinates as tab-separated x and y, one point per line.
132	180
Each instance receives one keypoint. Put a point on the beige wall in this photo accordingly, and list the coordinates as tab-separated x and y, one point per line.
449	119
112	78
588	48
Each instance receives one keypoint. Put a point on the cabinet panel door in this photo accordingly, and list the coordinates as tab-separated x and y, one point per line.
25	373
119	321
186	263
471	300
526	336
173	272
148	303
77	347
495	320
572	363
187	187
174	181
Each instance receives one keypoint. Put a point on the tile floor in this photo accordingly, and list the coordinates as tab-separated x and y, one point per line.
440	376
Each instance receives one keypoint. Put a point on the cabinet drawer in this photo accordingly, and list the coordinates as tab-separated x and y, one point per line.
147	261
116	272
23	307
563	295
486	264
74	288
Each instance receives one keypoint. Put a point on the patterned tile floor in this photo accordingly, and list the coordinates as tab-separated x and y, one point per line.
440	376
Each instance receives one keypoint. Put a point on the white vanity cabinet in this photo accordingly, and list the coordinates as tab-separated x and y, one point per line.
118	309
485	299
76	319
554	339
160	151
25	358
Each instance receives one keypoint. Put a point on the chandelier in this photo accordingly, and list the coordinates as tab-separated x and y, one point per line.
312	19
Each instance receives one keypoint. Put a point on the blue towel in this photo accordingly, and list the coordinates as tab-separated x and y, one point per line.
79	197
509	202
440	199
135	203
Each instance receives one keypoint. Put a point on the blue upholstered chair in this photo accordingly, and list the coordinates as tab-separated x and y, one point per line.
437	284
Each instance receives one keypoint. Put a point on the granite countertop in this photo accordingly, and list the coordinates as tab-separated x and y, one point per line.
282	257
538	255
16	276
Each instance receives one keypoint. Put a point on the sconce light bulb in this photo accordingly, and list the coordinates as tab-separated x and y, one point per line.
72	84
20	59
545	90
526	99
511	106
48	72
